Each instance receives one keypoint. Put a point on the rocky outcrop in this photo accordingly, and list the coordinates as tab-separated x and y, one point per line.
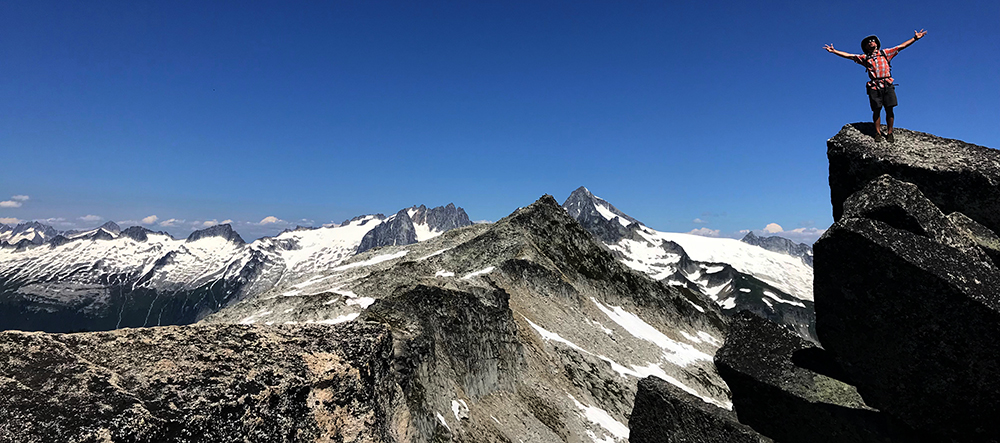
137	233
224	231
401	228
783	245
664	413
397	230
441	218
907	302
598	216
223	383
954	175
774	394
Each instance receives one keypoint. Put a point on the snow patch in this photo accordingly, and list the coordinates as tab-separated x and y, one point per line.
460	409
681	354
371	261
781	300
478	273
341	319
603	419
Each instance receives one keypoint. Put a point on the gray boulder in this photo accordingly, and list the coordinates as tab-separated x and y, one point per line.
774	394
907	302
664	413
954	175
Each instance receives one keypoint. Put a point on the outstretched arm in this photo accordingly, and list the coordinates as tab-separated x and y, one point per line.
829	48
917	35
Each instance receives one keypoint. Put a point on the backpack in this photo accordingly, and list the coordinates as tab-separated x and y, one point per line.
868	64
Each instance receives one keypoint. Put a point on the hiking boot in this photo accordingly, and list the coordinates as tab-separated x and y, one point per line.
878	136
890	138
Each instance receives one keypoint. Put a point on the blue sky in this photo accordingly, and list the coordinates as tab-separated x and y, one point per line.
685	115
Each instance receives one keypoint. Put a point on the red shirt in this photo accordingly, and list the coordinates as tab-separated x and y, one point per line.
879	74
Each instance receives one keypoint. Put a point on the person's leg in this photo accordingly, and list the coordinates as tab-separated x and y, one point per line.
889	101
875	102
889	117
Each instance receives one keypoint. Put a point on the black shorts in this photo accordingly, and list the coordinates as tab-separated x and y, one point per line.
878	98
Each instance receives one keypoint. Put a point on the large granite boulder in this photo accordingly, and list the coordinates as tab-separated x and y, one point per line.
231	383
664	413
765	366
907	298
954	175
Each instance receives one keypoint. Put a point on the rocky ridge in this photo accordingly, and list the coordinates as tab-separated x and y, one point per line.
782	245
773	284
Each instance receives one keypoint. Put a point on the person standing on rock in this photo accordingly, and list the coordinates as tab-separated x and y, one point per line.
881	91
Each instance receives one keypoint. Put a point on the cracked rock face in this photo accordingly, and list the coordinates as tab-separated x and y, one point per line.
228	383
785	388
906	297
952	174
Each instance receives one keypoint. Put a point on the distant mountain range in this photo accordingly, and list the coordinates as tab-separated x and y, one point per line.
107	278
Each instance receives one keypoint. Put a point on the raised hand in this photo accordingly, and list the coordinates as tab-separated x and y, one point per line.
917	35
829	48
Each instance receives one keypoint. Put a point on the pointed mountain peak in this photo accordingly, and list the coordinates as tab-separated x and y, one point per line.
111	227
598	216
225	231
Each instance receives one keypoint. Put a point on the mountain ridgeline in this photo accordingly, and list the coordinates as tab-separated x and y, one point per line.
108	278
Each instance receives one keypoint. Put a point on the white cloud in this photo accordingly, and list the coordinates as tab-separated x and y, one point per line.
150	220
804	235
15	201
170	223
773	228
9	220
705	232
91	218
699	221
744	231
270	219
